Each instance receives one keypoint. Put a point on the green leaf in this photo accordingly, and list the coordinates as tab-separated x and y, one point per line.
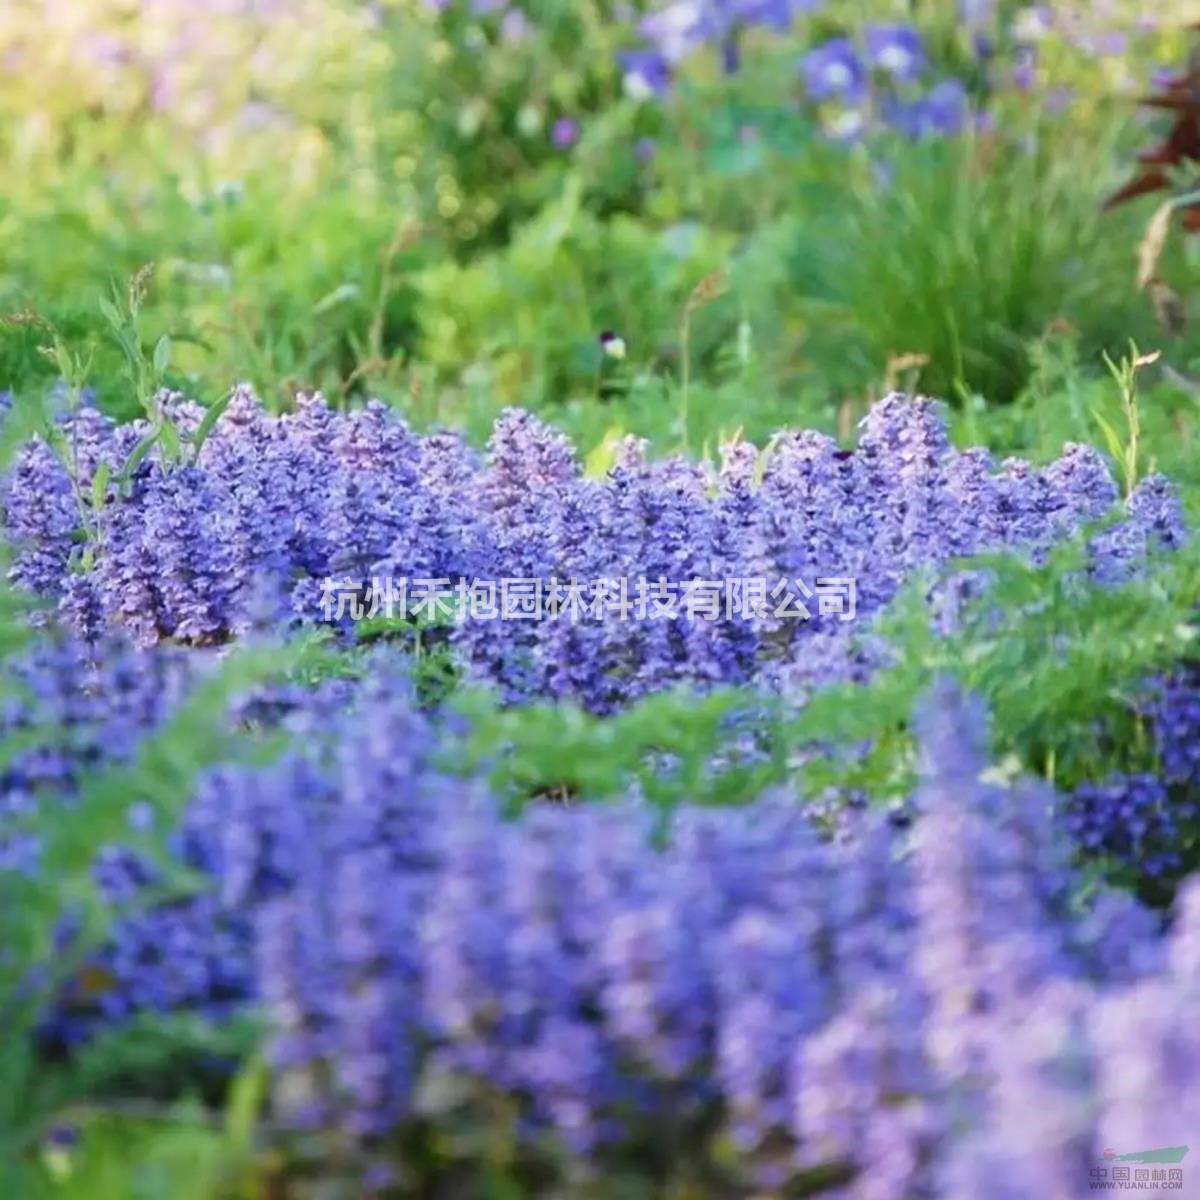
209	420
339	295
1112	439
162	355
172	447
100	485
137	454
246	1099
58	442
111	313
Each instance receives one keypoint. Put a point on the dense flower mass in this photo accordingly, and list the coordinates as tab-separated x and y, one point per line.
836	1013
674	31
848	1006
86	708
73	711
1146	819
843	1014
269	507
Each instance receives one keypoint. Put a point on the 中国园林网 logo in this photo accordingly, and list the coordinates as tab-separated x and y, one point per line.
1168	1154
1152	1172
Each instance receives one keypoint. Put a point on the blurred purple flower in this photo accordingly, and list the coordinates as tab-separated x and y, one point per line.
1161	78
1109	42
945	107
895	49
975	13
834	69
1024	71
771	14
680	27
515	26
646	73
565	133
1059	99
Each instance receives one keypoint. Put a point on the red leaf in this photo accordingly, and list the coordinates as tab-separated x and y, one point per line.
1153	180
1183	142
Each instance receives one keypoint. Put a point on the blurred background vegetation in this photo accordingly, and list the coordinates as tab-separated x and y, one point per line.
443	204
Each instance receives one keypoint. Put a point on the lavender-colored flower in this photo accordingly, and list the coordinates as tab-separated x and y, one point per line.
245	536
834	70
515	26
945	107
887	1006
976	12
1173	710
565	133
680	27
896	50
646	73
1155	508
943	111
778	15
675	30
1024	73
1130	818
645	148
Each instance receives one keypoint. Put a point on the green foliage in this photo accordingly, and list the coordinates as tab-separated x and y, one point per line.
522	325
964	250
1060	662
671	748
417	233
231	293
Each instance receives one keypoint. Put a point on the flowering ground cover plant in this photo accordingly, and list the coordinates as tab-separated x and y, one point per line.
421	957
578	721
620	976
253	521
